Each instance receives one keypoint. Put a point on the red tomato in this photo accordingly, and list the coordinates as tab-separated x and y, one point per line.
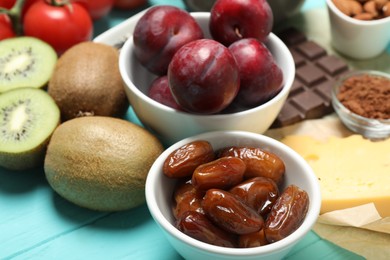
60	26
28	4
97	8
6	30
129	4
7	3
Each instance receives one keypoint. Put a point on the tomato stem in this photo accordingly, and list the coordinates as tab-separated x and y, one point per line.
60	3
15	14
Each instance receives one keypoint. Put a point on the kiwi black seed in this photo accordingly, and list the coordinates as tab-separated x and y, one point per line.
25	62
28	117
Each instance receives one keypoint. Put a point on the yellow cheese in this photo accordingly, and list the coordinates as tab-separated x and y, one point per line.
352	171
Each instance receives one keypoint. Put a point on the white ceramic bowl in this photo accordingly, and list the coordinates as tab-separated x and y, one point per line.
171	125
159	190
355	38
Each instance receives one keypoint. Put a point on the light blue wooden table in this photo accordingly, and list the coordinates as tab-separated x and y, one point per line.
35	223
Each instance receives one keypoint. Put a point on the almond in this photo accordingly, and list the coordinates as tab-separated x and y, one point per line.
370	7
364	16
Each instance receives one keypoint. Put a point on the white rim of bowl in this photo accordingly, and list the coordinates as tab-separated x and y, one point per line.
375	22
292	239
125	54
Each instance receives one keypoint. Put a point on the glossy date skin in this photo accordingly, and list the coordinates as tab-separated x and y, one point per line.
260	193
230	213
222	173
259	163
186	198
198	226
252	239
183	161
287	214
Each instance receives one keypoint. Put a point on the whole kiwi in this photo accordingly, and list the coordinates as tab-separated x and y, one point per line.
87	81
101	163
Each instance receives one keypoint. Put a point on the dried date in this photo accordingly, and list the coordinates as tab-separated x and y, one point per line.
198	226
183	161
259	163
230	213
260	193
186	198
287	214
222	173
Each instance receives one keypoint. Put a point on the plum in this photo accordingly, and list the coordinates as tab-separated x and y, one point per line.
231	20
261	77
159	91
203	77
159	33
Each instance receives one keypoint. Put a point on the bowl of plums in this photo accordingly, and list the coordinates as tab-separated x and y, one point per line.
232	195
188	73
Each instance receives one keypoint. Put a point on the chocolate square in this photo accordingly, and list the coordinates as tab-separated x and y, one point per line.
332	65
311	50
315	74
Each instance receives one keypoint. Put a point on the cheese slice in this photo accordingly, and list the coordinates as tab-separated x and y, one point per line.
352	171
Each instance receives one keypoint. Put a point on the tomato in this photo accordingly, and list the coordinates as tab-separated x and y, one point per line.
6	30
97	8
28	4
128	4
60	26
7	4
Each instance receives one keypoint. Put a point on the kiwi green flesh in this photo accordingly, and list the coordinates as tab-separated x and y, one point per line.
28	116
25	62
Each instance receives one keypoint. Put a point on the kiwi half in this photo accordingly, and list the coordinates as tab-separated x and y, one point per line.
28	117
25	62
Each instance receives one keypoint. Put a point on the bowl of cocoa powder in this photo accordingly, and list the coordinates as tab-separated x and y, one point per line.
362	101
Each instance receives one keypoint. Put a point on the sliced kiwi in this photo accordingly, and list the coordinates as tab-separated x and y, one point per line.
28	117
25	62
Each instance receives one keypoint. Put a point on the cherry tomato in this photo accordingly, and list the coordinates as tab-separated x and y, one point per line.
6	30
28	4
7	3
129	4
97	8
60	26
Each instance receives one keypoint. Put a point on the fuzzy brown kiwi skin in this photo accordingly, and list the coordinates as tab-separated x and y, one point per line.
101	163
87	81
25	161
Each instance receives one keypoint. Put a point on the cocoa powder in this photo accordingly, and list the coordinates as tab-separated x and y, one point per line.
366	95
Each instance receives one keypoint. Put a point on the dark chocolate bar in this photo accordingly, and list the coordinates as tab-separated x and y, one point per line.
316	72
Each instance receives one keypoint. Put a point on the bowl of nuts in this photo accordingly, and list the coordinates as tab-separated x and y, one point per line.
181	79
232	195
359	29
361	99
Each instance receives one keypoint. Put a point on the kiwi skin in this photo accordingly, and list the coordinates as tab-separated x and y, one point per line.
101	163
27	160
87	81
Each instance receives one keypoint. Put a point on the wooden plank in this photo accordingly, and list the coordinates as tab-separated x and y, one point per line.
31	213
125	235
